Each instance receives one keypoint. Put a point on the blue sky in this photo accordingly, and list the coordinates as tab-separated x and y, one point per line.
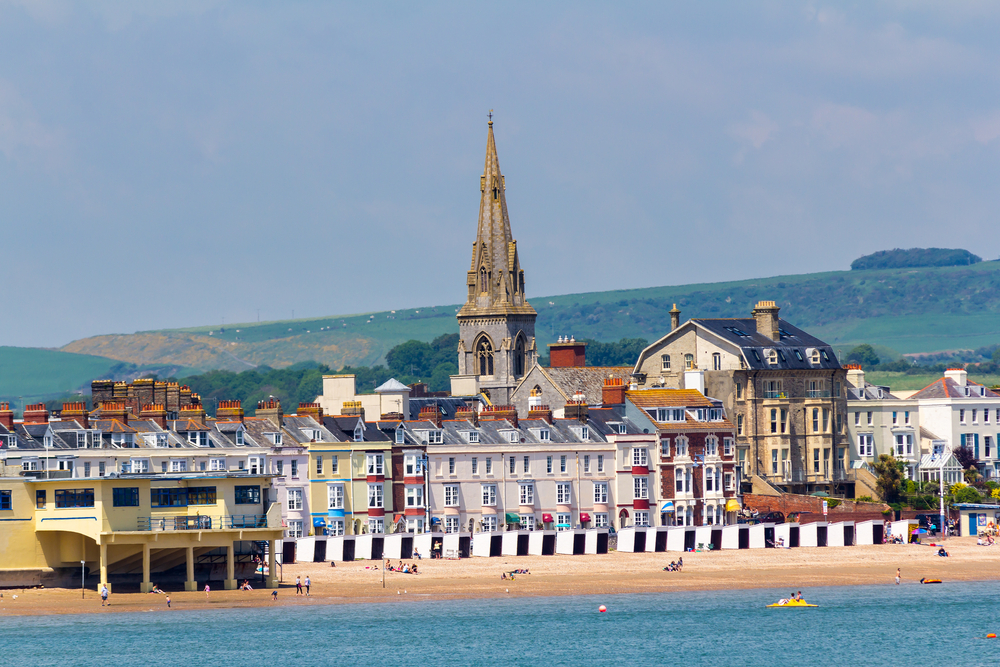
187	163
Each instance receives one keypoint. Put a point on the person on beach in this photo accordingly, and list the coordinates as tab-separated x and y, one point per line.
308	583
207	591
416	554
897	576
298	585
104	594
274	595
168	602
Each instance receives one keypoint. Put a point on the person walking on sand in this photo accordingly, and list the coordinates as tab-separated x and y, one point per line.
308	583
104	594
168	602
897	576
298	585
207	591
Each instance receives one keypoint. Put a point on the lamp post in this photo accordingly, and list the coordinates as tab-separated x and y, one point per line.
83	579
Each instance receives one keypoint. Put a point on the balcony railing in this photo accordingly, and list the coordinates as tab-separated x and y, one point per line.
817	393
775	394
201	522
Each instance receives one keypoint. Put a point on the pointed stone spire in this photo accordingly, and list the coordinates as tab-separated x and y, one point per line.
495	280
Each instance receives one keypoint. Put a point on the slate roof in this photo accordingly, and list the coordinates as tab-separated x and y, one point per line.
679	398
448	405
791	347
945	387
870	392
586	379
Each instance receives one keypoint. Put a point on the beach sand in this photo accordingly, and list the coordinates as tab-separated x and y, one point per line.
784	569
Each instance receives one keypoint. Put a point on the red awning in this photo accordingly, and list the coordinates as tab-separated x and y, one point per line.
546	518
584	517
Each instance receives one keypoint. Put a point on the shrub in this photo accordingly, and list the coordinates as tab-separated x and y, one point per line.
864	499
968	495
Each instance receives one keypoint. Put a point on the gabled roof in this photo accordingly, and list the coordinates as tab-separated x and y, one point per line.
945	387
589	380
794	347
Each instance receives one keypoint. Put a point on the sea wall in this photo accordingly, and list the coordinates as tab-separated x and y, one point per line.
847	510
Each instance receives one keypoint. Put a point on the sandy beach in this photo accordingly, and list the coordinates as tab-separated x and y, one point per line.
791	569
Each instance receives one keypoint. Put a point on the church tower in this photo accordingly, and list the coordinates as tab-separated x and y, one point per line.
496	325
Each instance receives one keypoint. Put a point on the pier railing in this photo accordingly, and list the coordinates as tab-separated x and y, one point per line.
201	522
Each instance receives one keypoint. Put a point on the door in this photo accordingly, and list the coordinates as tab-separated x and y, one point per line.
973	524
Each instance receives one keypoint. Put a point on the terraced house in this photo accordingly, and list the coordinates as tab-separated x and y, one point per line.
783	388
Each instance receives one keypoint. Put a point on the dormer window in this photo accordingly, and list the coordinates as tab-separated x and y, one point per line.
433	437
699	414
472	436
47	440
9	441
400	435
814	357
715	414
582	432
772	356
669	414
359	433
239	438
198	438
122	440
274	438
544	435
512	436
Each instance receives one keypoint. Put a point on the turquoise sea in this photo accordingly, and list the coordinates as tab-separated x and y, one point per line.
865	625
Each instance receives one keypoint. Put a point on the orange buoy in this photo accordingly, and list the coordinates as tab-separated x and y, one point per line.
991	636
603	609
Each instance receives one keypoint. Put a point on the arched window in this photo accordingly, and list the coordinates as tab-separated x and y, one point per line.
716	361
484	352
688	361
483	286
519	356
665	362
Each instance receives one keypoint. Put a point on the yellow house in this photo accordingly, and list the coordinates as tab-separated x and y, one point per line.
123	523
350	487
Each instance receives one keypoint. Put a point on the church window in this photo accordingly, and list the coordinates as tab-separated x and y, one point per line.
482	279
484	352
519	356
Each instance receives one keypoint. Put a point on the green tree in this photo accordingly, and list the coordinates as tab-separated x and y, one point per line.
968	494
890	477
863	354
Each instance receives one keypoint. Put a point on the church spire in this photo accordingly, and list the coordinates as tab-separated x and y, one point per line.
495	280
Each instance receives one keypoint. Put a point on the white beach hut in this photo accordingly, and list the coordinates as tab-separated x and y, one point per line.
731	537
626	540
868	532
703	536
675	538
565	540
757	540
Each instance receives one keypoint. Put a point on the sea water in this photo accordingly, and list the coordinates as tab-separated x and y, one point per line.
860	625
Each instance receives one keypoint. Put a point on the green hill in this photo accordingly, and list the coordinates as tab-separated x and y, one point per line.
30	374
910	310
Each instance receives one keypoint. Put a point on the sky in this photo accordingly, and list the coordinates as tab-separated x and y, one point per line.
190	163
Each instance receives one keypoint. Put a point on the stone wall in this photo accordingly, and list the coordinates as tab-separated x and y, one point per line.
848	510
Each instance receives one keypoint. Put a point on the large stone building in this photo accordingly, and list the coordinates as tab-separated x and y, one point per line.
496	325
783	389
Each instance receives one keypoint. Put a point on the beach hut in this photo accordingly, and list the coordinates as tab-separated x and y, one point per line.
808	535
783	535
626	540
840	534
651	537
731	537
509	543
393	546
703	537
974	517
335	549
456	545
596	541
487	544
305	546
564	542
868	532
422	545
675	538
757	539
904	528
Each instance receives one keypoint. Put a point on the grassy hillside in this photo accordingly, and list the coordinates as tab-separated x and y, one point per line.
32	374
908	310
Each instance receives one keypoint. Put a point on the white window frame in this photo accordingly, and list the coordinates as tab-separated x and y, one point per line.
489	523
296	529
526	494
451	495
414	496
564	493
375	463
295	499
376	525
335	526
489	495
451	524
601	493
640	488
335	496
600	520
376	495
640	457
866	444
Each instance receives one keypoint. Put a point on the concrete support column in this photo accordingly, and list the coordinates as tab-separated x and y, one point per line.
230	583
190	584
103	563
272	564
146	585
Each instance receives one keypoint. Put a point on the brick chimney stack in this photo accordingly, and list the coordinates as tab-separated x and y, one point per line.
155	412
271	409
76	412
193	411
766	314
431	413
229	411
36	413
498	412
115	411
567	353
540	412
675	317
613	392
467	413
314	410
577	410
353	409
6	416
